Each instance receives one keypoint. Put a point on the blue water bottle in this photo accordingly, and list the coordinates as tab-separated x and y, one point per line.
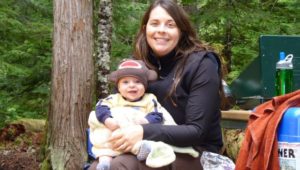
289	139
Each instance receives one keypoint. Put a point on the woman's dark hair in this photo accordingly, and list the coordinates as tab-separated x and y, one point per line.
187	44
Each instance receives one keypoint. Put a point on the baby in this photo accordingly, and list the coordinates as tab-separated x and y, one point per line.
130	106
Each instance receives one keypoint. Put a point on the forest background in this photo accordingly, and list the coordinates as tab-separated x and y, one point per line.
231	27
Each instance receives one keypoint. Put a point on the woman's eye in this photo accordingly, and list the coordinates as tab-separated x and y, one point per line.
171	25
154	24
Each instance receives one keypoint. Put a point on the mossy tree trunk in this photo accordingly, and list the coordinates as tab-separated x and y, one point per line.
103	47
72	84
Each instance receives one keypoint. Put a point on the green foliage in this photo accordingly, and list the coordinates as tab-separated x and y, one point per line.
25	41
248	20
125	26
25	58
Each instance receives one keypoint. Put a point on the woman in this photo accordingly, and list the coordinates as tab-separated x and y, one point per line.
189	87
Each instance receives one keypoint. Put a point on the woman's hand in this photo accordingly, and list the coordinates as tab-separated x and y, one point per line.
123	139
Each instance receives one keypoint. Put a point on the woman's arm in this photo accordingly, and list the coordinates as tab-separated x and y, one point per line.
200	107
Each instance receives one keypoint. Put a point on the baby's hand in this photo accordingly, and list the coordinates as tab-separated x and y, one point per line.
140	121
111	124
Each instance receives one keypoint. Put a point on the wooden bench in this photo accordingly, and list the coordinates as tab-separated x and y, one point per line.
235	119
241	115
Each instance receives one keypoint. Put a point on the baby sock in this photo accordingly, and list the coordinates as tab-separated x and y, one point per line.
104	163
156	154
144	150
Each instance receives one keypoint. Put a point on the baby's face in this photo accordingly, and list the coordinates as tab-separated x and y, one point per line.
131	88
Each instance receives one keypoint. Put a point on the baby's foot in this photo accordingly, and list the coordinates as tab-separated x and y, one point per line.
144	151
104	163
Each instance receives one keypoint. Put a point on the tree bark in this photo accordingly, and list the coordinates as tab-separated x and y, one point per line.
103	47
72	84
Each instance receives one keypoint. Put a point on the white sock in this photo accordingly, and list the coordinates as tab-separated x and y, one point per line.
104	163
144	150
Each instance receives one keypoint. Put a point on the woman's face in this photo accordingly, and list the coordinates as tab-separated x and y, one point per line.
162	32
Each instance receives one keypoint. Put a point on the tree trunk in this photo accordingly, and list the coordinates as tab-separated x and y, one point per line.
227	51
103	47
72	84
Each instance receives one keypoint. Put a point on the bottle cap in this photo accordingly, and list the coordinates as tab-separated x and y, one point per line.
281	55
285	62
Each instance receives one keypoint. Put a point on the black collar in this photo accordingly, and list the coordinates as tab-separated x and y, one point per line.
164	64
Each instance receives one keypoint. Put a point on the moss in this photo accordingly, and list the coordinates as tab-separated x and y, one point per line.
46	164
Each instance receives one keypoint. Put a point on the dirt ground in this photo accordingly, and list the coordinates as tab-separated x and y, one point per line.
20	150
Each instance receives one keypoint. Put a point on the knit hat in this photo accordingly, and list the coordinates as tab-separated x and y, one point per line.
133	68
